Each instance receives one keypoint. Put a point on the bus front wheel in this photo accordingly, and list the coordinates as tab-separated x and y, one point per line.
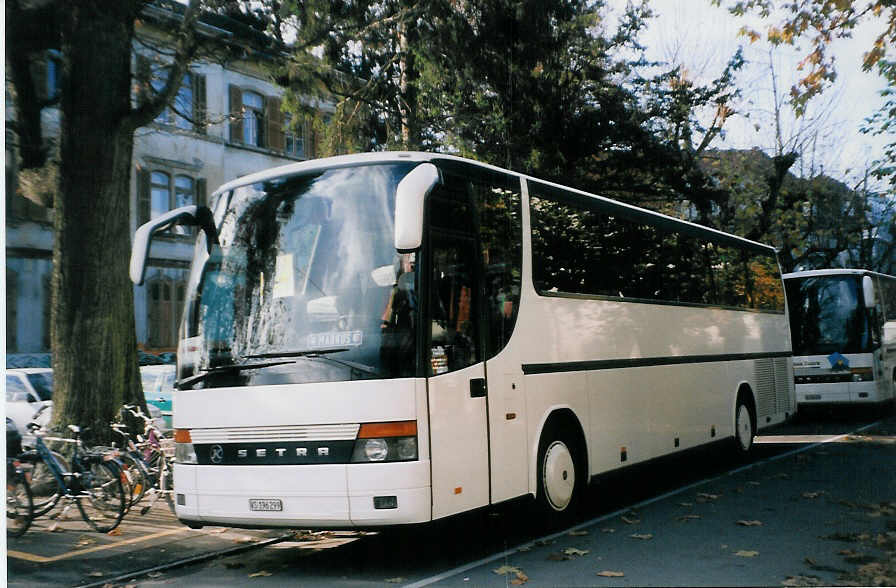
560	477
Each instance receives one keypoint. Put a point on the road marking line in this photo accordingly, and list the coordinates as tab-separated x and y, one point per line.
488	559
44	559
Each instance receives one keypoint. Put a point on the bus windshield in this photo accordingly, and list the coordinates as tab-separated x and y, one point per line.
826	315
306	284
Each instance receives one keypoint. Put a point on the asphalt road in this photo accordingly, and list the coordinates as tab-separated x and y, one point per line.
801	512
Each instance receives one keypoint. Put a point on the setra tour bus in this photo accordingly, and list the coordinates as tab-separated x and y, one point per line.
843	324
393	338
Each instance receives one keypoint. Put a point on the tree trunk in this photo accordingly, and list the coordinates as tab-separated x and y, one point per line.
93	333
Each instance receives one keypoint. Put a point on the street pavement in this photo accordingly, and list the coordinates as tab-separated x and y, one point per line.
825	515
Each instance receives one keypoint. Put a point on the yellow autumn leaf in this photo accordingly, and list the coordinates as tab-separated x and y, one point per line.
610	574
260	574
746	553
574	551
504	570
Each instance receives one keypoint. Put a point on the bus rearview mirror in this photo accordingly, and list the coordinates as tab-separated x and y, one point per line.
868	291
410	196
199	216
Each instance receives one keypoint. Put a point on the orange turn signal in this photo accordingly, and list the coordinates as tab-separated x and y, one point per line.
396	429
182	436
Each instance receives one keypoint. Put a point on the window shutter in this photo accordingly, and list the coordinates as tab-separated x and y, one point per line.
144	79
199	104
39	76
143	195
236	115
276	139
201	191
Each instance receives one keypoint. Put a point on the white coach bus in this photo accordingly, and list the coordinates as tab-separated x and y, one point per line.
394	338
843	324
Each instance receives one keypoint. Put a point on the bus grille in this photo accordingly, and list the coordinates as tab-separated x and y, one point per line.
276	433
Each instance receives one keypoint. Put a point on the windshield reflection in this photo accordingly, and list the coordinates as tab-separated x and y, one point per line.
306	268
826	316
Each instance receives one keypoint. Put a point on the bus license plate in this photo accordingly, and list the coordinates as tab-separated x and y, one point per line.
265	504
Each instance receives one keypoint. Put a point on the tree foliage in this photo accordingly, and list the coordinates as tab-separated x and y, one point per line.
820	23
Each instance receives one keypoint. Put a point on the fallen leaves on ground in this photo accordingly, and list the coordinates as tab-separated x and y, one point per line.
608	530
575	552
642	536
689	517
610	574
260	574
630	521
114	532
85	541
518	577
750	523
578	533
803	581
812	495
707	497
398	580
746	553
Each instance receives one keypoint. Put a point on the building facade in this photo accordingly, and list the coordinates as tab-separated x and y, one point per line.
224	123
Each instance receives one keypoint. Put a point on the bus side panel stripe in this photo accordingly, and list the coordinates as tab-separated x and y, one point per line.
612	364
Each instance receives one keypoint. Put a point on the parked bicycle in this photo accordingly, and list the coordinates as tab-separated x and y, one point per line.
19	502
89	479
156	452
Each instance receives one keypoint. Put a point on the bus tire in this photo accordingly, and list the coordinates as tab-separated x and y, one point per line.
744	425
561	476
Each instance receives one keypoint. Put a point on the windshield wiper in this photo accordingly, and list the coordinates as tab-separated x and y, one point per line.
318	354
234	367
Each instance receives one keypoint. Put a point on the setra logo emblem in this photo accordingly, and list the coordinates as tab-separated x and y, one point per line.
216	454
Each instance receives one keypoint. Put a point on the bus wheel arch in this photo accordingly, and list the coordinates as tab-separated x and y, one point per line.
745	420
561	466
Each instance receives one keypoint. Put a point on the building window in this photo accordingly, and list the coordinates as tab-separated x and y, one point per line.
54	77
180	113
253	119
166	294
295	138
166	194
160	191
256	120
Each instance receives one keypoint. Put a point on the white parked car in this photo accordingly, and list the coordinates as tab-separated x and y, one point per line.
27	391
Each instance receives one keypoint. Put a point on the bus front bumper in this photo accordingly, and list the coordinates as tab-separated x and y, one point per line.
844	392
317	497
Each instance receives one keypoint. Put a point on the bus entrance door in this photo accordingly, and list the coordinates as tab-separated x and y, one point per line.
458	418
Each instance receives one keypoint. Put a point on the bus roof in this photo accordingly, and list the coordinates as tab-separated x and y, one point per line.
415	156
835	272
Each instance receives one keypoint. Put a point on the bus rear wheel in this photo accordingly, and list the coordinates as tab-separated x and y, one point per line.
560	479
744	428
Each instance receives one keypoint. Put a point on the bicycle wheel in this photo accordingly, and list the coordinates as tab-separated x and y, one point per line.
101	498
136	476
44	487
19	505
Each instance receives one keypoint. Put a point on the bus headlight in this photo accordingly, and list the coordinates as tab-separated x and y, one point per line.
184	452
385	442
862	374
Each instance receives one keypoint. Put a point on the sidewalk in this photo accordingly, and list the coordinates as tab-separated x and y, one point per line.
69	553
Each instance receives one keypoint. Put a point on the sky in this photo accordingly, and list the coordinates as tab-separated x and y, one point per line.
704	37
